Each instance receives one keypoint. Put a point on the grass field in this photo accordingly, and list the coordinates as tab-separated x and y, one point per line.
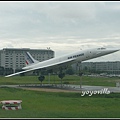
38	104
71	79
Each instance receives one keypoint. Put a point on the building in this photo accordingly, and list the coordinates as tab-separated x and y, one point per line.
106	67
14	57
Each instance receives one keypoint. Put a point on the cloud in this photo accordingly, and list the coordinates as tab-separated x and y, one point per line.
62	26
71	10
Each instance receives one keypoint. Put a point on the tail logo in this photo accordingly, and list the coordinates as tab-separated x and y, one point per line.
28	59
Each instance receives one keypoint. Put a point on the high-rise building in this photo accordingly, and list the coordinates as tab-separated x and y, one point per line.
14	57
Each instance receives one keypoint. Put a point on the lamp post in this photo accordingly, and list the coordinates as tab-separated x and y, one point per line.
80	74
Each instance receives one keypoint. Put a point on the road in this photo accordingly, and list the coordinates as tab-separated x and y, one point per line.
66	87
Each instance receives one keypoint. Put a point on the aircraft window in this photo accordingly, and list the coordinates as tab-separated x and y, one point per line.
81	54
76	56
101	48
69	57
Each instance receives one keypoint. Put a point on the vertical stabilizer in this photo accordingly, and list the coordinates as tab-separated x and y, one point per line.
29	59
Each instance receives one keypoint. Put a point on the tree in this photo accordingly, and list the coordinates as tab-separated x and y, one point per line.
80	73
1	70
41	78
61	76
70	71
8	71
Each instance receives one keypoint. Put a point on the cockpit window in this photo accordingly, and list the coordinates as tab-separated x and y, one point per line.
101	48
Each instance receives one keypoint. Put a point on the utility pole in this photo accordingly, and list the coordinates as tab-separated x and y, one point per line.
80	74
49	78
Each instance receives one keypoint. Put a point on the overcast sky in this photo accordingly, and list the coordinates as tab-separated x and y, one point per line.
65	27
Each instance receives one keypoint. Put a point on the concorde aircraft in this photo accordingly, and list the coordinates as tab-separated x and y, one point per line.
63	62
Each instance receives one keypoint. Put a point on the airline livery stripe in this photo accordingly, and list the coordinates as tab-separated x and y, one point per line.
29	58
26	62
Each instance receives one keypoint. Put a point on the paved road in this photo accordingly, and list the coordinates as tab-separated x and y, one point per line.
69	87
98	88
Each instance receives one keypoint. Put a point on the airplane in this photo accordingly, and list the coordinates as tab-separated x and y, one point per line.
64	61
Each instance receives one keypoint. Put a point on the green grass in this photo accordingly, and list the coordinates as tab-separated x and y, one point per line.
71	79
36	104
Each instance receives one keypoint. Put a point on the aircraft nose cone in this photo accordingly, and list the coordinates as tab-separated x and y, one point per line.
113	50
107	51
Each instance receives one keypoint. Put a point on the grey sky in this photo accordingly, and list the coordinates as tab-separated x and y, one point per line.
63	26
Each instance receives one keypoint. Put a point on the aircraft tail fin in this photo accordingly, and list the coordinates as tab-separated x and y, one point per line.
29	59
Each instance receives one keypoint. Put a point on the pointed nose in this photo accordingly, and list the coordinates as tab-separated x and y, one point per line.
106	51
111	50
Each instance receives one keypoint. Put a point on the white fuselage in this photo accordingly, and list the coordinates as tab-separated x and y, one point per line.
80	56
